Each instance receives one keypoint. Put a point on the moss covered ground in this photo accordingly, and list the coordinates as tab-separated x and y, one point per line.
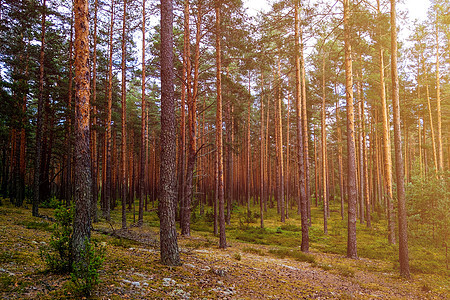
258	264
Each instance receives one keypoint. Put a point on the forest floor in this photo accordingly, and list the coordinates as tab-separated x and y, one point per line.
242	271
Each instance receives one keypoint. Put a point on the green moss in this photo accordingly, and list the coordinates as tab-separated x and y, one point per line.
291	227
253	251
344	270
38	225
123	242
297	255
6	282
13	256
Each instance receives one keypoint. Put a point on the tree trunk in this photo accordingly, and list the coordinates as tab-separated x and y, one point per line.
40	118
192	114
402	223
94	135
433	143
386	149
305	131
222	238
438	105
144	134
300	140
324	152
83	181
262	154
184	223
341	177
167	204
280	148
124	117
351	239
108	187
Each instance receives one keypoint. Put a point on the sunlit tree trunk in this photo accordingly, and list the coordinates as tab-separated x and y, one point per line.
248	150
287	177
438	104
340	170
386	148
280	148
300	140
433	143
305	129
351	239
219	150
83	183
262	154
402	223
324	152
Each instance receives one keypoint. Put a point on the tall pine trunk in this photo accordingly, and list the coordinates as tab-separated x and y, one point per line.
83	180
168	235
351	153
123	166
300	146
219	135
402	222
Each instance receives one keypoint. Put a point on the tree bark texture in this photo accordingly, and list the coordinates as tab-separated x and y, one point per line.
352	197
168	234
402	223
83	180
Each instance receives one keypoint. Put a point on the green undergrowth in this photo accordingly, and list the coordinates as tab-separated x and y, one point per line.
295	254
39	225
277	239
372	242
252	250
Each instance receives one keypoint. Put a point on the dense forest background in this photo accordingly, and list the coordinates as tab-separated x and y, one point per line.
293	109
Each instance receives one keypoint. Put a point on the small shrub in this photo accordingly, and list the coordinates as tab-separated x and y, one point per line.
209	216
52	202
237	256
85	273
345	270
57	254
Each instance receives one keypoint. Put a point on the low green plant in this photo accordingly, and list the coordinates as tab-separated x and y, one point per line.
57	254
290	227
52	202
39	225
6	282
237	256
253	251
345	270
297	255
85	275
